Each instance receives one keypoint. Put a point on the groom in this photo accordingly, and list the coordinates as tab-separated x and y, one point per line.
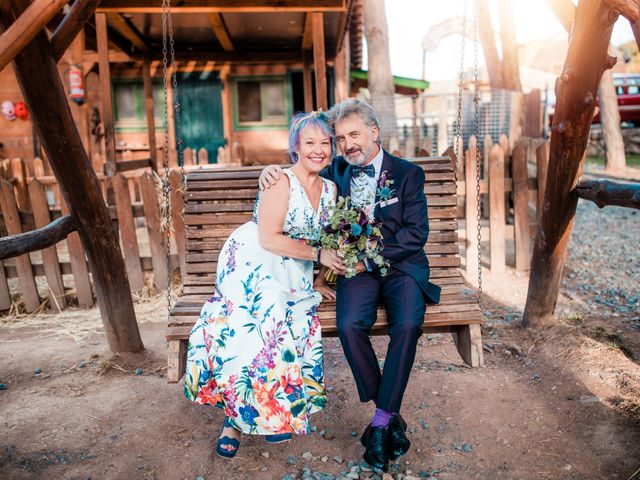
393	191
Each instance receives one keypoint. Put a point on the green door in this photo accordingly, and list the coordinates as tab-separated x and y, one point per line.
201	108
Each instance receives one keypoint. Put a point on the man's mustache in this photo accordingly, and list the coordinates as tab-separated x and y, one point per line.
353	150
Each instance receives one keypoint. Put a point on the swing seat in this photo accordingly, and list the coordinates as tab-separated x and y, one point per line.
217	202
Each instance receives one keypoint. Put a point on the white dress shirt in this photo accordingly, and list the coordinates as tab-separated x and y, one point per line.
363	187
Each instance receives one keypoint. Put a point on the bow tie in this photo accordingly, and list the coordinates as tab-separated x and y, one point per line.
368	170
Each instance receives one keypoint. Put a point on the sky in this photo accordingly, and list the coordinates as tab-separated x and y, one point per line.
410	20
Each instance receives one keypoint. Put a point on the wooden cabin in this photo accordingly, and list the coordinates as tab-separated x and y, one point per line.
243	69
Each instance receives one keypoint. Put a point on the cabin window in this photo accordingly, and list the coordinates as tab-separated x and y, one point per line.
261	102
128	105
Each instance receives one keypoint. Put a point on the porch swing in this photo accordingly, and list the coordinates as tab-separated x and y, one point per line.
217	202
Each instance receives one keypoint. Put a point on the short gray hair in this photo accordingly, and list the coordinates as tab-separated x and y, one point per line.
353	106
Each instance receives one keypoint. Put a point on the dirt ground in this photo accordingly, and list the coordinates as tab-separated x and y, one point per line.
558	403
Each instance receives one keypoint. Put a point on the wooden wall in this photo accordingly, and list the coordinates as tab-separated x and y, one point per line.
16	136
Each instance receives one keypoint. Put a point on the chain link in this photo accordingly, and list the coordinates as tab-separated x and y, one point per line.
458	141
166	184
476	103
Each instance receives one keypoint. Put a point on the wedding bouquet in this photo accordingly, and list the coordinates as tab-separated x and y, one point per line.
354	237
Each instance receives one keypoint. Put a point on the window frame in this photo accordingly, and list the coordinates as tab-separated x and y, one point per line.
276	124
139	123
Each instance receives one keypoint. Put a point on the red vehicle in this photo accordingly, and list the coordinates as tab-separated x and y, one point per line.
628	90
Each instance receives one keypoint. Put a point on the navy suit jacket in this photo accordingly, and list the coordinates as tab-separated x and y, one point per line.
405	223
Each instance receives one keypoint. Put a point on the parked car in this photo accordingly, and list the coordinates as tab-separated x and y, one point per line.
628	91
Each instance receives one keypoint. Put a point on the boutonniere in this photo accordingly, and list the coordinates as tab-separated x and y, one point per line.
384	191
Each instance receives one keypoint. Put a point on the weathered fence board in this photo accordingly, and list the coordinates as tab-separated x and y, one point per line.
78	266
156	238
496	209
128	236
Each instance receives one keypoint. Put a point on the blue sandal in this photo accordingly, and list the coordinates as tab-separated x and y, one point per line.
278	438
227	442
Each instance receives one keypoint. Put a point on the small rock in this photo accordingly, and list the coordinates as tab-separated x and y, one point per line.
329	435
466	447
263	469
322	432
387	476
265	454
338	460
425	474
292	460
36	371
307	455
81	365
324	459
536	376
288	477
138	371
587	399
354	434
199	477
567	467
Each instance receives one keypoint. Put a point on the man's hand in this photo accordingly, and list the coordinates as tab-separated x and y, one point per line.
269	176
359	268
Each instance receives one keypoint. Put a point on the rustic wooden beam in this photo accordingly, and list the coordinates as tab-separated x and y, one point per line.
127	165
605	193
73	22
91	58
224	6
281	56
307	35
576	91
107	102
128	30
630	9
39	239
307	83
220	30
44	93
150	114
319	60
27	26
488	42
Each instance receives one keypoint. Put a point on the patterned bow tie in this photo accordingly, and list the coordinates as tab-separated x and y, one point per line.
368	170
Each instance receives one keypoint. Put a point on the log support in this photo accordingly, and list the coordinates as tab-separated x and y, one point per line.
605	193
576	90
38	239
44	93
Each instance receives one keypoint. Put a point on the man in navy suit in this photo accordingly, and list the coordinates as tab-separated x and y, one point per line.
364	173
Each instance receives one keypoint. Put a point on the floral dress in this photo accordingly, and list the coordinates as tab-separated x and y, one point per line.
256	348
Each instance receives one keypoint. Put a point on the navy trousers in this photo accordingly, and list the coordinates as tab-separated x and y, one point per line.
356	303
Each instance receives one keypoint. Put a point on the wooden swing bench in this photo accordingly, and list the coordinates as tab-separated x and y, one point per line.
217	202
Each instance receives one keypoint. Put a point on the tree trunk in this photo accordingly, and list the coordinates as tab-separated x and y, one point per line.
45	96
488	41
510	63
576	91
610	119
380	79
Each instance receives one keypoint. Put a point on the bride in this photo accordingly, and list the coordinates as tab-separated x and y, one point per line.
256	349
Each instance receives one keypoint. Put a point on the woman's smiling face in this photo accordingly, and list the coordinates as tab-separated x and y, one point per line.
314	149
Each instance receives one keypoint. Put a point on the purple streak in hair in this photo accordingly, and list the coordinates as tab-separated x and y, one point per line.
303	120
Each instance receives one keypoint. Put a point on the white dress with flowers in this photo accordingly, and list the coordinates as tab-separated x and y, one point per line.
256	349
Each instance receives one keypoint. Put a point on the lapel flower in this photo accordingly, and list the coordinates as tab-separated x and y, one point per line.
384	191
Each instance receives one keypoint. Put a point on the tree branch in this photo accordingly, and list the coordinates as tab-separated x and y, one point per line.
71	26
605	193
39	239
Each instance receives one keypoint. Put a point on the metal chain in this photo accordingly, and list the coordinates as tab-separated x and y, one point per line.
457	126
166	184
476	103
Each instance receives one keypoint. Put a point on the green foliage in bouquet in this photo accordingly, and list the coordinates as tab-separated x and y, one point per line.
354	237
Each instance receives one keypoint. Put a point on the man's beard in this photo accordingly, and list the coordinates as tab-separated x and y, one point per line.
359	155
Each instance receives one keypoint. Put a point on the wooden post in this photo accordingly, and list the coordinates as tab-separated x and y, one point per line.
19	180
306	81
156	238
542	166
496	211
576	90
105	87
5	294
148	104
319	60
471	212
50	260
44	93
128	232
78	261
521	207
486	157
11	217
443	125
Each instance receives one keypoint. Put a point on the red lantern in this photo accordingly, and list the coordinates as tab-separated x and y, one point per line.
21	110
76	84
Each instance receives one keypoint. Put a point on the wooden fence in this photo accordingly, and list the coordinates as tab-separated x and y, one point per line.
510	201
30	202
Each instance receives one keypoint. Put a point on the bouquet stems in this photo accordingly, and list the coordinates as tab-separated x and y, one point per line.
330	276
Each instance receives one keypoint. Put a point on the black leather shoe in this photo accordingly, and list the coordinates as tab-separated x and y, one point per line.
374	440
397	442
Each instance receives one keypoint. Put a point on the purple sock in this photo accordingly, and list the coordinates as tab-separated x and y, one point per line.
381	418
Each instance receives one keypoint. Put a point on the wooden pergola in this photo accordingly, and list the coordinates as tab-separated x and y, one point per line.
129	25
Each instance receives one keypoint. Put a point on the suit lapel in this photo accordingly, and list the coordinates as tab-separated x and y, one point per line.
345	184
387	165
